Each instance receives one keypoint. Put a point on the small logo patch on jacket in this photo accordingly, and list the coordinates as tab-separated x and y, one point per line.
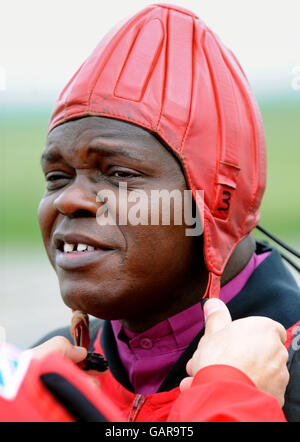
13	367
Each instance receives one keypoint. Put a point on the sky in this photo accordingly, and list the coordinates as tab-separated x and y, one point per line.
42	42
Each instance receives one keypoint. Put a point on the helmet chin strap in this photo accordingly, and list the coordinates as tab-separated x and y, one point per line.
81	334
80	329
213	286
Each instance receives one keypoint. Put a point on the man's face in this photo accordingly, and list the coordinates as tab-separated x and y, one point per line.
128	270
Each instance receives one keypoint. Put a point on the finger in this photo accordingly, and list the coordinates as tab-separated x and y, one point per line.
278	328
282	332
189	367
61	345
75	354
185	383
216	315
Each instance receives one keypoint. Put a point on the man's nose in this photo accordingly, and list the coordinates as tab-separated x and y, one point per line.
76	201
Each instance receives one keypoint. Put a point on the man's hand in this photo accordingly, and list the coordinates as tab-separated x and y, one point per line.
254	345
61	345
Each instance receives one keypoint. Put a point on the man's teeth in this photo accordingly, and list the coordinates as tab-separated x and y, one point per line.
82	247
77	248
68	247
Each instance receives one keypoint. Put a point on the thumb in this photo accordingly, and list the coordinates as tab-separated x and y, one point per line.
75	354
61	345
216	315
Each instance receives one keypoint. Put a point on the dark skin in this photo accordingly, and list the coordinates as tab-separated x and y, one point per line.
145	273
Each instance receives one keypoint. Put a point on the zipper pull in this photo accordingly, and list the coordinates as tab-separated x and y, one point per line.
138	402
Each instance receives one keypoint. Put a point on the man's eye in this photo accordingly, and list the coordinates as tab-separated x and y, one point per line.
122	174
56	180
119	173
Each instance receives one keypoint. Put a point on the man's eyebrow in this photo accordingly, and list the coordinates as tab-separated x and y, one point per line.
110	151
50	156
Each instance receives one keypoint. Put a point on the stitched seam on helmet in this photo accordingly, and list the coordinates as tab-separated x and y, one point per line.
218	111
116	38
189	122
91	113
255	141
166	70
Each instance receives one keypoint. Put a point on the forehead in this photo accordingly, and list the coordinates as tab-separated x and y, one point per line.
89	131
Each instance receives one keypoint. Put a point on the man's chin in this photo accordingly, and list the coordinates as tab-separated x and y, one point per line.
90	303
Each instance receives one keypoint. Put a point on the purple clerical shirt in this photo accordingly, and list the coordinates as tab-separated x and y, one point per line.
149	356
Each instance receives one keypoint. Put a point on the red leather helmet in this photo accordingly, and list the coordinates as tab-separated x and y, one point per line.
165	70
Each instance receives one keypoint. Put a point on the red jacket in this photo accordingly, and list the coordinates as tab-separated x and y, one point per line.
55	390
50	390
219	393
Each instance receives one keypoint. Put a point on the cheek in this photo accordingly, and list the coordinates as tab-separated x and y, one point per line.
46	216
159	253
160	247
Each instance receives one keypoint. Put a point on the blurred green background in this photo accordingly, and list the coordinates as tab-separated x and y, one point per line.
23	133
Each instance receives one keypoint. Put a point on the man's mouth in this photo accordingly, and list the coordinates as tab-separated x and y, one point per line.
76	251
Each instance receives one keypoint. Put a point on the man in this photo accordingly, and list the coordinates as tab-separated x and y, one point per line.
160	104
